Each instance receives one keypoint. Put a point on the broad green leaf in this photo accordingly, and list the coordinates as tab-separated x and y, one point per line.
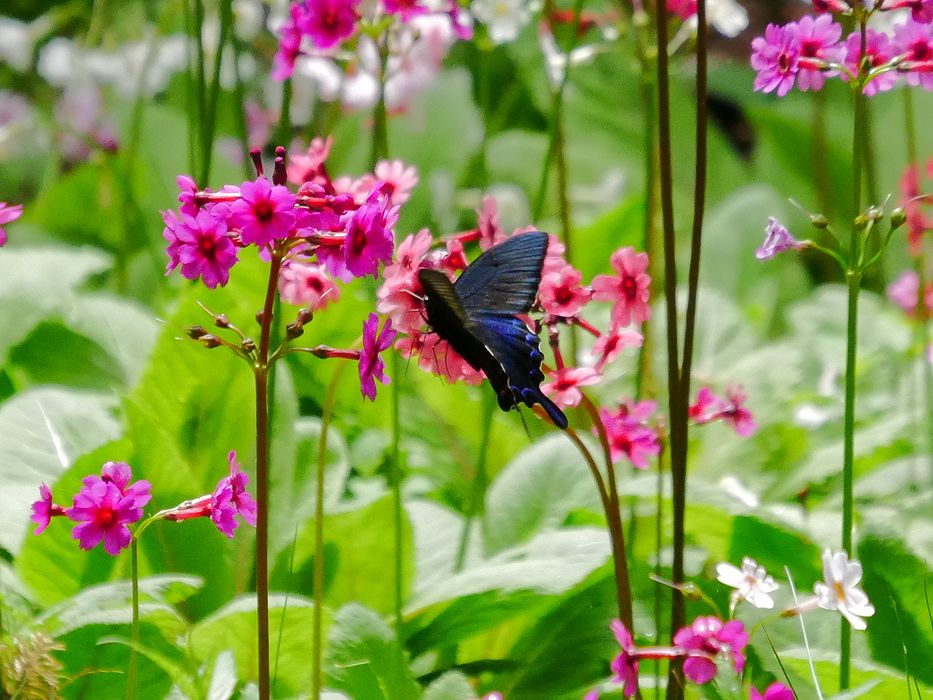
451	686
364	658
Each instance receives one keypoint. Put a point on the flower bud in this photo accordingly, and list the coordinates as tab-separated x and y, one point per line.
248	345
898	217
874	213
861	221
818	221
196	332
210	341
294	330
221	321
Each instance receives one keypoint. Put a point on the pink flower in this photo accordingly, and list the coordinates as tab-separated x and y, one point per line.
628	289
230	499
372	366
187	191
775	56
920	10
709	635
283	65
328	22
824	6
369	239
775	691
308	285
777	240
818	42
554	260
309	166
44	510
628	435
398	179
105	506
625	665
263	213
879	50
561	293
563	386
8	214
201	246
406	9
905	290
610	344
490	233
685	9
914	41
709	407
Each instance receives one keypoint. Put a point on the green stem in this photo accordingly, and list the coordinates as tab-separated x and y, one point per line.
317	645
478	490
261	372
201	95
658	542
649	244
396	479
134	634
380	142
210	117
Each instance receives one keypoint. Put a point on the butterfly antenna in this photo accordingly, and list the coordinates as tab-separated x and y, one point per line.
521	414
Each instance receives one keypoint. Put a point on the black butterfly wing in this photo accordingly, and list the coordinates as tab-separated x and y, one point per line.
515	348
504	279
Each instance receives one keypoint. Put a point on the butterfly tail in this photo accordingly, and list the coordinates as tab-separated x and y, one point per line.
534	395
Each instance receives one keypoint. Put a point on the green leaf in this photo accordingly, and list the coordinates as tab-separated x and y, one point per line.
536	492
451	686
364	658
42	431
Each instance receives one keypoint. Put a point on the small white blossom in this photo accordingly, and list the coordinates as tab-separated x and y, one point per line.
839	590
751	582
503	18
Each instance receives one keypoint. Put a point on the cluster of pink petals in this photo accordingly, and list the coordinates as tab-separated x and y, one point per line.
327	230
8	213
810	50
104	508
629	434
324	23
372	366
777	240
905	292
699	644
708	408
913	201
775	691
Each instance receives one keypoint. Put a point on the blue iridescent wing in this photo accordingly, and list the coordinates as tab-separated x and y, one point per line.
504	279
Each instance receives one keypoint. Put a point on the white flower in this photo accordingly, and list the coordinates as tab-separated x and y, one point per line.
751	582
839	589
727	17
503	18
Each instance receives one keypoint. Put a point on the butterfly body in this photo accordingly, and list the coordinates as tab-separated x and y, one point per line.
478	316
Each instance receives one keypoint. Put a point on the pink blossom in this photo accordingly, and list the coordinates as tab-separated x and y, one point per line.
563	385
837	6
628	435
777	240
398	179
917	222
914	41
8	213
44	509
372	366
187	191
905	290
304	284
818	42
920	10
104	507
554	260
561	293
629	288
775	56
406	9
708	634
201	246
685	9
610	344
263	213
490	232
309	166
369	239
455	259
283	64
709	407
879	50
625	665
328	22
230	498
775	691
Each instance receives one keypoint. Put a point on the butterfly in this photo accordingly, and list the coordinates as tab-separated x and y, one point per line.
478	316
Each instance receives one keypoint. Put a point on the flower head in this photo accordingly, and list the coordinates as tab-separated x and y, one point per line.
708	634
609	345
628	435
839	589
8	213
304	284
818	43
105	506
625	665
563	385
263	213
201	246
372	366
398	179
775	691
775	56
914	41
751	582
904	290
369	239
628	288
708	408
561	294
879	51
44	509
328	22
777	240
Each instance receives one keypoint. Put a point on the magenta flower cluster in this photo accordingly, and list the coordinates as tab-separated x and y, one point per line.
108	504
807	52
731	409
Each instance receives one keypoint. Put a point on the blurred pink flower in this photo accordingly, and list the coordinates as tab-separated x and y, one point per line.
490	233
777	240
914	41
708	408
628	435
328	22
818	41
708	634
563	385
879	50
609	345
372	366
309	166
628	289
305	284
8	213
775	691
398	179
44	509
904	291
